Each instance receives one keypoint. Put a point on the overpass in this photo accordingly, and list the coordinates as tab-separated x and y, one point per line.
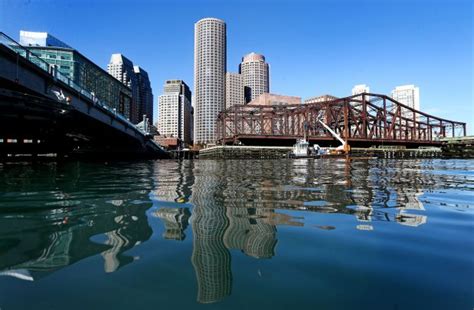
363	120
44	112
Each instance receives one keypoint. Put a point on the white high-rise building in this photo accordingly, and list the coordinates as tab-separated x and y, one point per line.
256	76
121	68
175	111
210	53
234	89
359	89
408	95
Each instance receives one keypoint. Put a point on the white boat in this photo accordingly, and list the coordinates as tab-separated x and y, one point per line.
300	149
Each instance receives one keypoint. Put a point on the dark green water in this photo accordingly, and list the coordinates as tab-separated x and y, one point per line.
281	234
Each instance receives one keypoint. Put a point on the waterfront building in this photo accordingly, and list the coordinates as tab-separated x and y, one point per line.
234	89
323	98
121	68
82	71
175	111
32	38
408	95
145	94
274	99
210	52
256	76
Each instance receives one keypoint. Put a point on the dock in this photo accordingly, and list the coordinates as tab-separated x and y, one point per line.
458	147
245	152
278	152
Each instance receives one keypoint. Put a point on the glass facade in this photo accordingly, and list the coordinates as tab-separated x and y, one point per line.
89	76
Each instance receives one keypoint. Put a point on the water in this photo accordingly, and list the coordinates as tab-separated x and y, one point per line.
278	234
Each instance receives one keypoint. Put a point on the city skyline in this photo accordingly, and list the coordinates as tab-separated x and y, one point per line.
437	64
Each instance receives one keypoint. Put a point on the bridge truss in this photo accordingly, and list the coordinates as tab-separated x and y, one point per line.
364	119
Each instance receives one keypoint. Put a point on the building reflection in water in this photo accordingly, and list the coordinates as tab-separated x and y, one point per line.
234	205
58	228
175	221
231	205
388	194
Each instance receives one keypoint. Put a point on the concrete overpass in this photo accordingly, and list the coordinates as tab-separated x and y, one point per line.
44	112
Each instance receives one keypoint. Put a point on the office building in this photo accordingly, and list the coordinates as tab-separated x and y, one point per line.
31	38
209	77
408	95
234	89
145	94
121	68
82	71
175	111
255	73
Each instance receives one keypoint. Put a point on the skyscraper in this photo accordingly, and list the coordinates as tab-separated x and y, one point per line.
256	76
121	68
234	89
210	52
175	111
145	94
408	95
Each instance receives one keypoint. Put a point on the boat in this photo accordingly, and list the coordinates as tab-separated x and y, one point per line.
302	149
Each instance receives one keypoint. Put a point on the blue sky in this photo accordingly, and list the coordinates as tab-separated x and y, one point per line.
313	47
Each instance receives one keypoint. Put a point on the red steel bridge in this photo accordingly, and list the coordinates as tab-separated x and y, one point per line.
362	120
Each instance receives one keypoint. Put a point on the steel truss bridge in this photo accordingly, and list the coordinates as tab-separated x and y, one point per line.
362	120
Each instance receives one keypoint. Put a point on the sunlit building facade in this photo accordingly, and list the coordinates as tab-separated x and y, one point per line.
234	89
256	76
210	52
121	68
82	71
175	117
408	95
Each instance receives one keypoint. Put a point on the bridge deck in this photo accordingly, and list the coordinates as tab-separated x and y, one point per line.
44	111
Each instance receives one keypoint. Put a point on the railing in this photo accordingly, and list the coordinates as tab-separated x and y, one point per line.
52	70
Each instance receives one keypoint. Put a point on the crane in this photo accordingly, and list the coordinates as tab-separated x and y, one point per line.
344	145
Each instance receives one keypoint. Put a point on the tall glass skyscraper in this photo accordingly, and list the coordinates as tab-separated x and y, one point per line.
145	94
210	53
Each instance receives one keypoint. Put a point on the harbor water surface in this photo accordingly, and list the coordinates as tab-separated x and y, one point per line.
238	234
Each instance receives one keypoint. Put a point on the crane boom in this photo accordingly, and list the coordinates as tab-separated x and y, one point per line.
335	135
